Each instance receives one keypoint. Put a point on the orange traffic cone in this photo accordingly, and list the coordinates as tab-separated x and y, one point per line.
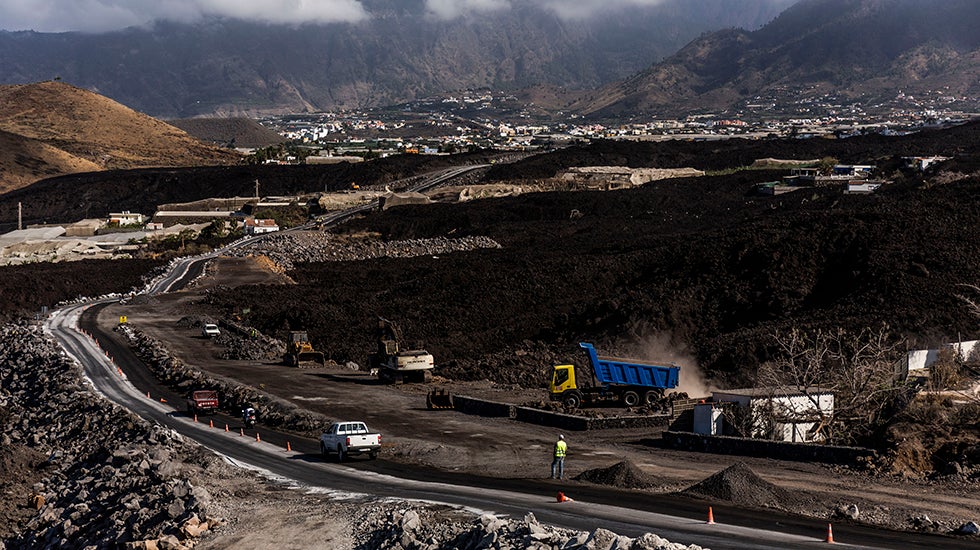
563	498
288	448
148	395
211	423
162	400
195	418
830	534
242	430
711	516
257	438
226	427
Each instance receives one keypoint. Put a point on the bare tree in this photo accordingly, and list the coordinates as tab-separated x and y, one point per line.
972	303
862	370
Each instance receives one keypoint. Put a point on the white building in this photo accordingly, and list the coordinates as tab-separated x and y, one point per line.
780	413
258	226
126	218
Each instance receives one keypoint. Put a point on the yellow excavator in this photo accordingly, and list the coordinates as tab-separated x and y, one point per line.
300	352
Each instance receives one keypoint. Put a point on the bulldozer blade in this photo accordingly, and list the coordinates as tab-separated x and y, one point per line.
310	360
439	399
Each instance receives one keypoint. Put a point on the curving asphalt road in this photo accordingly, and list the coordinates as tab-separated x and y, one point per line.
117	374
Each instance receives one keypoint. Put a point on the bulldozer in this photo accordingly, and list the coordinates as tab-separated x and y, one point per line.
300	352
395	365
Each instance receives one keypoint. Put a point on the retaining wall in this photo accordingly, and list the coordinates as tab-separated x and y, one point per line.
570	422
808	452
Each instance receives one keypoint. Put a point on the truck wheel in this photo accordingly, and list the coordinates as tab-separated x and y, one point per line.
631	399
651	397
340	453
572	399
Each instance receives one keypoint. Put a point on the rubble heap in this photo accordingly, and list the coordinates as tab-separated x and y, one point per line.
287	249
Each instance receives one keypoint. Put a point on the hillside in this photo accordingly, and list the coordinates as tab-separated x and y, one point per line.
702	268
24	160
229	132
850	48
232	67
63	129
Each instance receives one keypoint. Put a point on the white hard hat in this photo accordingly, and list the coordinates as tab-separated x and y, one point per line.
560	436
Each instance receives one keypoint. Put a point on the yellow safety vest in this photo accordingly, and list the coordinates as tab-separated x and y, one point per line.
560	448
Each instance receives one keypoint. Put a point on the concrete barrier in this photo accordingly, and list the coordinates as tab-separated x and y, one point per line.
569	422
481	407
743	446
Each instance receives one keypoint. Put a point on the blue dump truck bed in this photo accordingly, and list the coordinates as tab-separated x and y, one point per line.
627	372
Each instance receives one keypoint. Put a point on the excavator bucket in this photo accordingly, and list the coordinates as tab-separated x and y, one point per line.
310	358
439	399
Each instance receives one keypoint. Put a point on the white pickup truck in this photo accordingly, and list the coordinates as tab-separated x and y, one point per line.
350	438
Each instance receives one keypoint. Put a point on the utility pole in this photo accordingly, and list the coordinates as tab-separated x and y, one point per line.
20	216
256	188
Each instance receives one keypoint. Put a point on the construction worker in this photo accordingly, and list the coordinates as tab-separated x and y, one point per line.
558	464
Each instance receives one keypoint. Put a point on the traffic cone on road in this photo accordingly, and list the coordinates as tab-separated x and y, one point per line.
711	516
148	395
211	423
226	427
195	418
257	438
562	497
242	430
830	534
288	448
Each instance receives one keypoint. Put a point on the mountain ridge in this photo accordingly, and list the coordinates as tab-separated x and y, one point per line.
234	68
851	47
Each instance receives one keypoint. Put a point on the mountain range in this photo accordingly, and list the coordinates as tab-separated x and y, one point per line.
849	48
228	67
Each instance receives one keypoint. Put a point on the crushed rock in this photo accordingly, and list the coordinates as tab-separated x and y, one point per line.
623	474
738	483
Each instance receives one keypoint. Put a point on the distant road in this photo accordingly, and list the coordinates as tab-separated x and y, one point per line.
185	270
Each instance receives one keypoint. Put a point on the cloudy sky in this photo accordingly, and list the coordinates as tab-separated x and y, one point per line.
105	15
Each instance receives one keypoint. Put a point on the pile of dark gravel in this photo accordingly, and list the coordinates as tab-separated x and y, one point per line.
623	474
739	484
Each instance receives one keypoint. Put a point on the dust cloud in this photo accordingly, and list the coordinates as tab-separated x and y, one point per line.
659	347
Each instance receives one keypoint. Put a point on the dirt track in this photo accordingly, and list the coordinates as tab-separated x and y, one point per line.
509	449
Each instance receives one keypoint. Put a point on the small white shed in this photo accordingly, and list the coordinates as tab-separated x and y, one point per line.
782	413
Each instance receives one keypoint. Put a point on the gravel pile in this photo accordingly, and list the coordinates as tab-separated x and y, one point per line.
417	529
622	474
88	493
738	483
287	249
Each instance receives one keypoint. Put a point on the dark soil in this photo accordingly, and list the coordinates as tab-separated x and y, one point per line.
622	474
20	468
25	289
738	483
733	153
57	200
696	265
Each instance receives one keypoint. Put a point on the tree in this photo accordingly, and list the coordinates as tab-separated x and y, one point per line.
860	369
972	303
